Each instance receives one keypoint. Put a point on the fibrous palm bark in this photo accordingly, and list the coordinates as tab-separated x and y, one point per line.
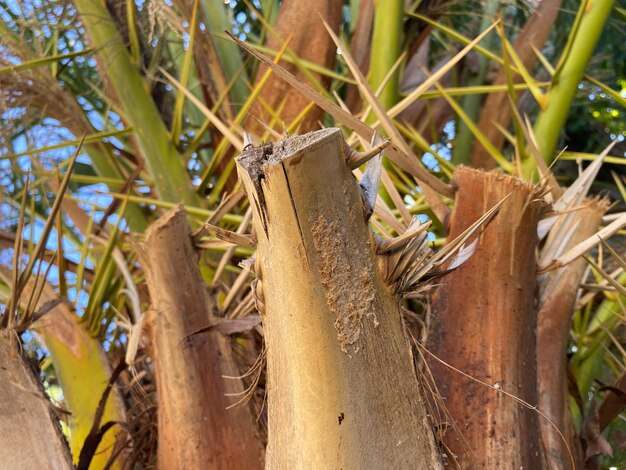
197	428
342	390
483	326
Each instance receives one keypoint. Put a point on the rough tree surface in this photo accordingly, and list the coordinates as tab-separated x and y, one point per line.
484	319
196	430
342	390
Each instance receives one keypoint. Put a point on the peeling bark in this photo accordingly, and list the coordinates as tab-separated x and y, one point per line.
484	318
195	428
342	390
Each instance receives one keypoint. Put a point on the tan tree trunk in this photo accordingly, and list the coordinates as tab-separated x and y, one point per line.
31	438
342	390
484	319
196	431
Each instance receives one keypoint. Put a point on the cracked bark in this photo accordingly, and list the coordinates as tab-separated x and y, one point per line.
342	390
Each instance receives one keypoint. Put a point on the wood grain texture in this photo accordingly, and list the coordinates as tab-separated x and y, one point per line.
195	428
342	390
484	319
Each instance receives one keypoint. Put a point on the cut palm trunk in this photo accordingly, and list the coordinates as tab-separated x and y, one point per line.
342	389
31	436
196	428
483	324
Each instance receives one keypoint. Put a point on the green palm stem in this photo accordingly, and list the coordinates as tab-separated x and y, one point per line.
228	53
584	37
386	48
163	160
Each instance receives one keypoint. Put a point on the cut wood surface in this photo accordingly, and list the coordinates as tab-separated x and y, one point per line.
342	390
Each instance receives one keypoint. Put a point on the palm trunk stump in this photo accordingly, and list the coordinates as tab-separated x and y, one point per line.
31	435
342	390
484	324
557	298
196	428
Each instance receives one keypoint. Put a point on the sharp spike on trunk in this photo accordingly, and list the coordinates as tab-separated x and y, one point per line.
356	159
239	239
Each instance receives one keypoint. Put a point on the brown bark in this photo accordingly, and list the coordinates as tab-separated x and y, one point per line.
614	403
497	108
484	322
342	391
557	301
195	428
31	436
300	21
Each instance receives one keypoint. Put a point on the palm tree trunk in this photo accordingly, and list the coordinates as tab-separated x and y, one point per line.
31	437
196	428
557	301
342	390
484	320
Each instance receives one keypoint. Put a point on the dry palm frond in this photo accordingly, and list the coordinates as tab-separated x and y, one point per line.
227	204
407	261
22	278
365	131
584	246
229	236
231	251
574	195
437	204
